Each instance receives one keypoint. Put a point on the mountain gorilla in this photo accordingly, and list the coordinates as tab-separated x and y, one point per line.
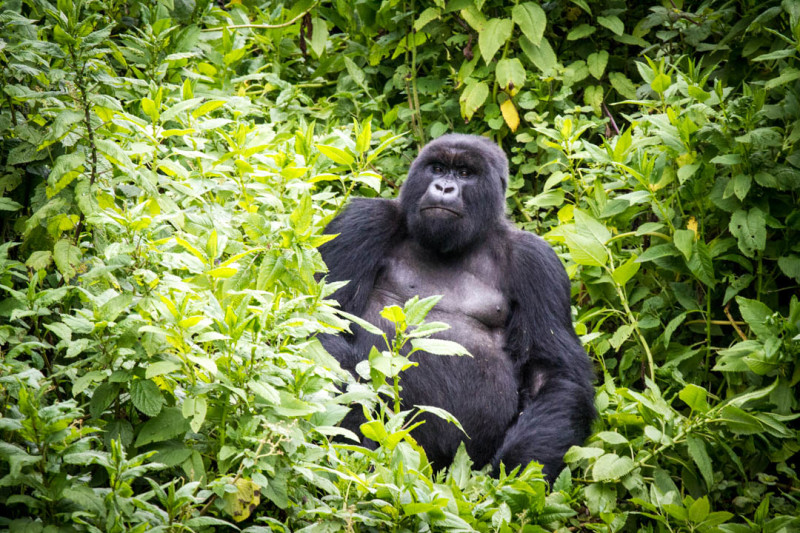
526	392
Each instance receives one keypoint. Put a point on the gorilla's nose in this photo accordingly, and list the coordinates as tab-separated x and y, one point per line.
444	189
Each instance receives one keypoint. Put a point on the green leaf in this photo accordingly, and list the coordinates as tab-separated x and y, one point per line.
146	397
586	249
493	36
510	74
694	396
789	265
624	272
750	228
580	32
622	84
531	19
417	309
472	98
698	511
613	23
621	335
319	36
394	314
439	347
356	73
161	367
684	241
612	437
67	258
597	62
541	55
168	424
701	264
7	204
698	453
195	409
102	397
611	466
427	16
756	314
337	155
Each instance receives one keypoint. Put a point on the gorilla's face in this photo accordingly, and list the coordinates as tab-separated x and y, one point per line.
454	192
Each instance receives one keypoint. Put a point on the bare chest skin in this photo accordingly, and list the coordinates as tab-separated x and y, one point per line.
475	308
470	290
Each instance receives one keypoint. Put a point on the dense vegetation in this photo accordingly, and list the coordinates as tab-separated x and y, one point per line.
167	169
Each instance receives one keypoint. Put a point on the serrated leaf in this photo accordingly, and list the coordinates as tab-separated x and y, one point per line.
621	335
611	466
168	424
701	264
427	16
622	84
7	204
494	35
161	368
750	229
531	19
439	347
586	249
240	504
694	396
146	397
394	314
699	454
67	258
756	314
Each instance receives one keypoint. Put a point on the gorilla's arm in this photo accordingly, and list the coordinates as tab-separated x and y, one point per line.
556	393
368	229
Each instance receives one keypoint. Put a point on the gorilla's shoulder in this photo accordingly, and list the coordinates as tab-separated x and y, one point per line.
366	228
529	253
527	244
372	210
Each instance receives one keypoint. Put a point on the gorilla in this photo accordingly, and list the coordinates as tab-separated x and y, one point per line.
526	393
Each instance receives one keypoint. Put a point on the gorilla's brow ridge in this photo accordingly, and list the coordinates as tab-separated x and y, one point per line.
455	157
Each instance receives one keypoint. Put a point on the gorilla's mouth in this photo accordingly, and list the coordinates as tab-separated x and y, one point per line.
440	208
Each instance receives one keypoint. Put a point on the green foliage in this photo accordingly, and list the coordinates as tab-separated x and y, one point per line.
166	171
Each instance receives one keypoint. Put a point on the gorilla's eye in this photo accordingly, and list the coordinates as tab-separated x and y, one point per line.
464	173
437	169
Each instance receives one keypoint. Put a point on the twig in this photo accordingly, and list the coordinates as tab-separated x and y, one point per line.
265	26
611	118
733	322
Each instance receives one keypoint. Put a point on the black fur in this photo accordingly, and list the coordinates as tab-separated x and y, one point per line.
526	393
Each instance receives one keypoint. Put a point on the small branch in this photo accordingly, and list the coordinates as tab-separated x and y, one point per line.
717	323
611	118
733	323
265	26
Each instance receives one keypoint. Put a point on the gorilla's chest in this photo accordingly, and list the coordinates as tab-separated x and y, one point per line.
472	301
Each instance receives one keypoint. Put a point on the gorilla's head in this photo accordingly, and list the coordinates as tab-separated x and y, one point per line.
455	192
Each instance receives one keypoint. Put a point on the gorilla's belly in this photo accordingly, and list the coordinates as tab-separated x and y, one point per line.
480	391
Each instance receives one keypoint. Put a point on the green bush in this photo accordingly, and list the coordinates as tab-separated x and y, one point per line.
167	169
